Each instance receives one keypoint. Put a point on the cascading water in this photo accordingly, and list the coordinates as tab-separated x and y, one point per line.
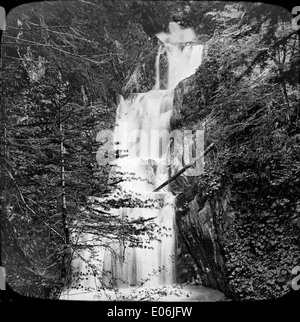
141	130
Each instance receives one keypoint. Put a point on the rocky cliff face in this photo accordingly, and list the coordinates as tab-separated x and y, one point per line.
199	233
197	229
245	253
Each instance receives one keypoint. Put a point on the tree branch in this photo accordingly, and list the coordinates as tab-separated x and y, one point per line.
184	168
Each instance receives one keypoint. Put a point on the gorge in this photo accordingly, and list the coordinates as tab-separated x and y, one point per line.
142	137
104	103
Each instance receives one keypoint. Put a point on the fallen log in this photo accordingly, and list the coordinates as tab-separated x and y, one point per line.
176	175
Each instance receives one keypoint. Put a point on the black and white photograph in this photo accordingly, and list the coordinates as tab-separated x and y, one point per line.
150	152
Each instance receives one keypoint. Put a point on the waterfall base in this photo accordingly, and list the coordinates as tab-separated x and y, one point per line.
175	293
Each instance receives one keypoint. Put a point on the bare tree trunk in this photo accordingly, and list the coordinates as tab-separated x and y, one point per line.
63	186
65	267
3	175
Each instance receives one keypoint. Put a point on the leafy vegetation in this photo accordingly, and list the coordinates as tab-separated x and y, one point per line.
247	93
64	65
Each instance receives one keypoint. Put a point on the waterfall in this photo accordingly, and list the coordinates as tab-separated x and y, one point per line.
141	132
157	69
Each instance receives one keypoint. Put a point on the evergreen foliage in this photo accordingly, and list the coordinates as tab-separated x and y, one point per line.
64	64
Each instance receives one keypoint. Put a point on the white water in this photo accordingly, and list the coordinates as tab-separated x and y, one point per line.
145	115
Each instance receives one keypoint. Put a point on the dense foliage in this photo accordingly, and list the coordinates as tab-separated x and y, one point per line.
64	65
248	95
